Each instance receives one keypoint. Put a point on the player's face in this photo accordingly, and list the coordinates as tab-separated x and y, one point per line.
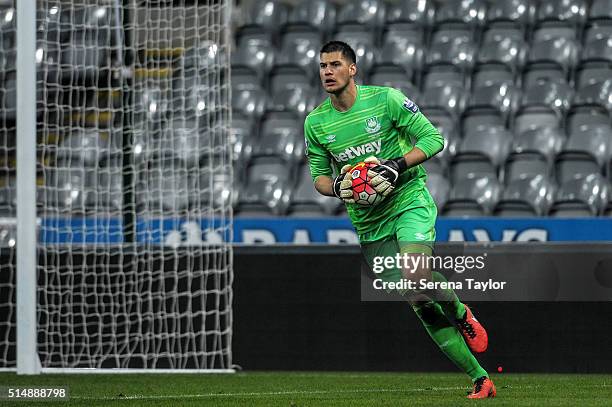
335	72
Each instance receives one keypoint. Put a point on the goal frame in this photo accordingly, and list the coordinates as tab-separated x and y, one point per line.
27	353
28	361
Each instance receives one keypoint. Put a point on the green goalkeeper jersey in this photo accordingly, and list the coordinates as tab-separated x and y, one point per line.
382	123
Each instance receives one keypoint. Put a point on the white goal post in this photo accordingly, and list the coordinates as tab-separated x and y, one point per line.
27	361
123	182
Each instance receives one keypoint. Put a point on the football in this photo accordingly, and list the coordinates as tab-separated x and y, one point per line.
363	193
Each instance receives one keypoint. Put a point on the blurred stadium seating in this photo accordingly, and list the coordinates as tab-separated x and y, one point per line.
521	90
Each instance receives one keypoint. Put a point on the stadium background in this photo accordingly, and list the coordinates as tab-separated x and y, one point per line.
519	91
528	130
522	123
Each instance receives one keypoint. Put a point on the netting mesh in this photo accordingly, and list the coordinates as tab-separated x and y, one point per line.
133	185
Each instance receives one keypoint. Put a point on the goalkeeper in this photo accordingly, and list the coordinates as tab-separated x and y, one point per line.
379	125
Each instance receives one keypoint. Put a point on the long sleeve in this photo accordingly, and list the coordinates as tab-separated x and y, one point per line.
318	158
413	124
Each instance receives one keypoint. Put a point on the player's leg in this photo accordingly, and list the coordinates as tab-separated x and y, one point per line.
415	231
381	242
447	337
416	234
445	334
385	247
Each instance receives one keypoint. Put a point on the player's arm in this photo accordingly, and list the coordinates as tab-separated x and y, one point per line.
412	125
325	185
340	186
320	169
415	157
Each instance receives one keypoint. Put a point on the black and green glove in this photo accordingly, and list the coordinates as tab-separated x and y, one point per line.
384	176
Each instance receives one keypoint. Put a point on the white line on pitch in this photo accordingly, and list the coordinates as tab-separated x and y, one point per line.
304	392
270	393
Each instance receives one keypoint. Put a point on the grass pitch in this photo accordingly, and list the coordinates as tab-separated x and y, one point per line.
295	389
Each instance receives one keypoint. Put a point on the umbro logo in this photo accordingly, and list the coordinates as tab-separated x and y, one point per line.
331	138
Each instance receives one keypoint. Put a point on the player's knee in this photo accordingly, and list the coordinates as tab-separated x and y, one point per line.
417	276
415	266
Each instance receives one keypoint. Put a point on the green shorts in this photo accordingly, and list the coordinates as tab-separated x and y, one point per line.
411	232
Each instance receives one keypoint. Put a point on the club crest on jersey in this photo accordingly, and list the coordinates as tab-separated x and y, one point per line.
410	106
372	125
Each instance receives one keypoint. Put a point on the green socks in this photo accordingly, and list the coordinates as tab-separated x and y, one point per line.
448	338
446	297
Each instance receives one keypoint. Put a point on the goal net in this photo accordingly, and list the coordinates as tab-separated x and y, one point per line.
133	186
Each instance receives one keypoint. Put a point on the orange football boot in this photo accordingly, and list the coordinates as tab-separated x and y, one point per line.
473	332
483	388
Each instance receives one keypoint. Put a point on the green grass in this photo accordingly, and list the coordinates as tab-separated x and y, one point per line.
317	389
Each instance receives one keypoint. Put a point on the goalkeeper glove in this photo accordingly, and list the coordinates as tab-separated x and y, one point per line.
385	174
343	185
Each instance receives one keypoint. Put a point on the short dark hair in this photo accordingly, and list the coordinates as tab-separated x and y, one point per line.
342	47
